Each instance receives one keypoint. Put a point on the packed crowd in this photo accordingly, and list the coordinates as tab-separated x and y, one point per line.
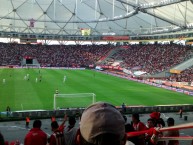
149	58
184	76
153	58
53	55
102	124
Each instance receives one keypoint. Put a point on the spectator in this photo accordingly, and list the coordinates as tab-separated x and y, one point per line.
158	121
150	127
70	132
172	133
54	55
2	142
152	58
184	76
150	123
16	142
36	136
53	118
57	137
138	126
101	124
129	128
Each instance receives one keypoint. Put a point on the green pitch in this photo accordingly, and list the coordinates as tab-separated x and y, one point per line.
21	94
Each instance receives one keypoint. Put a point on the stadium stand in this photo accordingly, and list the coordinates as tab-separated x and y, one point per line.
53	55
149	58
153	58
184	76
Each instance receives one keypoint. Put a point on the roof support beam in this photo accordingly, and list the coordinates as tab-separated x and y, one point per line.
159	17
153	4
160	4
127	15
128	3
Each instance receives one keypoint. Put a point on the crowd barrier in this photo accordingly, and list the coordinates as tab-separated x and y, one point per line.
47	113
78	111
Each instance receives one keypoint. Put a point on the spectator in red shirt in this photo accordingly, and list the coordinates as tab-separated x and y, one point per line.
150	127
57	137
36	136
138	126
53	118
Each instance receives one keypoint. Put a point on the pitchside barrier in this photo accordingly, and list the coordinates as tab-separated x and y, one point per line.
78	111
47	114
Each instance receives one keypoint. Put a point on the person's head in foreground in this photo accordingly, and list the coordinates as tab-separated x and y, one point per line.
170	121
37	124
101	124
54	125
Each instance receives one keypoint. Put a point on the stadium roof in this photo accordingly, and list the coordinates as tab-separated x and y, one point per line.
119	17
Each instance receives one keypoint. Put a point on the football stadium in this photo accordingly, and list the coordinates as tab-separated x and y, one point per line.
57	57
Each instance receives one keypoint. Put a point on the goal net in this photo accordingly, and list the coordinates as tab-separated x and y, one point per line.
62	101
31	66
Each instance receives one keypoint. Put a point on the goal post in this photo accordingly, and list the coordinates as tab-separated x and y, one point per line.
73	100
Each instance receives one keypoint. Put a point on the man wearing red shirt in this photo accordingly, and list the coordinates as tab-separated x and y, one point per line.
57	137
36	136
138	126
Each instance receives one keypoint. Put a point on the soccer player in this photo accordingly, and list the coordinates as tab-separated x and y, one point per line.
36	80
64	79
40	78
8	110
56	91
28	77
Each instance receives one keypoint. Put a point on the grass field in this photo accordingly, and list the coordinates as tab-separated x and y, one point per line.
22	94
